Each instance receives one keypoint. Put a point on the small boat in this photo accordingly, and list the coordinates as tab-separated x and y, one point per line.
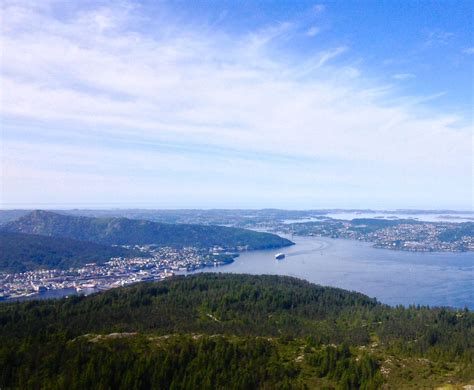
280	256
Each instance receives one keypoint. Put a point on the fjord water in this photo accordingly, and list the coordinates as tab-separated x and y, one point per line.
393	277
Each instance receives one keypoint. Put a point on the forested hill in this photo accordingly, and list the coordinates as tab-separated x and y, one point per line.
124	231
243	304
21	252
210	331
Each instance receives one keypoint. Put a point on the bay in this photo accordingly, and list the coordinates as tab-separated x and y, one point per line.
393	277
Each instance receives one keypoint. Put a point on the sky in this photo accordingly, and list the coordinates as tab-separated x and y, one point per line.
237	104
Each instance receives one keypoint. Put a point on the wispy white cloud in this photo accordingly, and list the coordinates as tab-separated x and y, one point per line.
98	76
328	55
438	37
404	76
313	31
469	50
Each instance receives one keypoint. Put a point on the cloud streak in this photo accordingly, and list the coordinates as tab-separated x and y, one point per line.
404	76
313	31
98	75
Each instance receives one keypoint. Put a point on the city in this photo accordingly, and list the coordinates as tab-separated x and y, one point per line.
157	264
407	235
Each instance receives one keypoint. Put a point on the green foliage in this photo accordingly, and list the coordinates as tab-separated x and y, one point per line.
457	232
339	364
178	362
24	252
265	324
211	303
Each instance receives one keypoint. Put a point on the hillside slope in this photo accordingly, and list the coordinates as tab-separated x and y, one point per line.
21	252
211	331
123	231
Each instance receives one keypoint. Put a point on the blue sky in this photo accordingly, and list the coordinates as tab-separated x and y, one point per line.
214	104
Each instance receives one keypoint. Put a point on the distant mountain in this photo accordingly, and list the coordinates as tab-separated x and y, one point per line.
21	252
124	231
11	215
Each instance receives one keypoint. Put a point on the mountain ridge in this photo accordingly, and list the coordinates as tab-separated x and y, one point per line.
20	252
124	231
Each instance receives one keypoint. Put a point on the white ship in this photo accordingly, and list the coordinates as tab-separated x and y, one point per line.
280	256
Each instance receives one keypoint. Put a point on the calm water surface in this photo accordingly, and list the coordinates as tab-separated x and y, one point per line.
393	277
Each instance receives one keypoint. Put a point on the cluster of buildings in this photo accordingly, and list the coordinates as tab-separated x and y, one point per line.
157	264
419	237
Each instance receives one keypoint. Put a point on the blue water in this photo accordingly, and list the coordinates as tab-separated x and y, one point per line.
393	277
